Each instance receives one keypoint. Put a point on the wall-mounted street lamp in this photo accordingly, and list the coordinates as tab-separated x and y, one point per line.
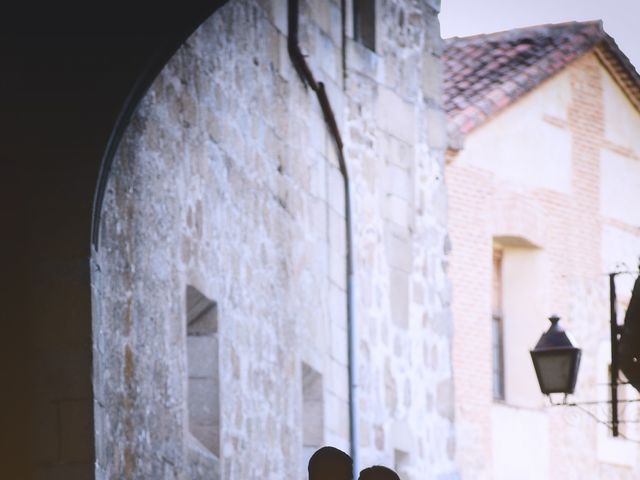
556	358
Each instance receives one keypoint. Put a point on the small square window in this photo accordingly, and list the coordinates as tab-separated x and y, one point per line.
312	412
364	22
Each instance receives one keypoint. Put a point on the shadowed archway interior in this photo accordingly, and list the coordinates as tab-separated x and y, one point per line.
72	77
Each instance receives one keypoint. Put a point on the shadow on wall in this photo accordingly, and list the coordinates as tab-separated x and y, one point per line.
67	73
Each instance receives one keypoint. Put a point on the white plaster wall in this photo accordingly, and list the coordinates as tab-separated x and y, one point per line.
520	443
510	145
620	187
622	120
525	297
620	251
610	449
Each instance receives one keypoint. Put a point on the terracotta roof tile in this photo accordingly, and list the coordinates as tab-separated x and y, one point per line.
485	73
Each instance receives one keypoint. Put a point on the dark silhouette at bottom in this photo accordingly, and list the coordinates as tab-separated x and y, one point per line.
378	472
330	463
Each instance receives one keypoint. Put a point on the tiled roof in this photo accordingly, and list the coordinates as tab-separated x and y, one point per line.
485	73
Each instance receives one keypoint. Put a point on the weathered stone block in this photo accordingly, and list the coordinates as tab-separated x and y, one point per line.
336	191
399	181
396	116
278	14
438	136
399	211
337	416
362	60
338	268
399	297
339	344
337	305
338	380
398	247
444	397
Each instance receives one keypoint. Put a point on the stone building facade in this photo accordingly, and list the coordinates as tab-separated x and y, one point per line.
543	191
219	286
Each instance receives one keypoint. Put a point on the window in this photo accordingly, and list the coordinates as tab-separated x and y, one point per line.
401	463
312	412
203	399
364	22
519	312
497	328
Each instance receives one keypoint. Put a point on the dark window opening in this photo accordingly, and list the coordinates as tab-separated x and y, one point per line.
498	359
203	392
497	329
364	22
401	463
312	412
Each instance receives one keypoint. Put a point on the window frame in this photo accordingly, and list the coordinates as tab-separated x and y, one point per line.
364	14
497	329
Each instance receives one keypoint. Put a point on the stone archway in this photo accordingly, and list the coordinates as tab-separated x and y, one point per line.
208	197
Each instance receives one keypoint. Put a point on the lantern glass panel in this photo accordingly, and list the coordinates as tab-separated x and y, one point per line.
557	370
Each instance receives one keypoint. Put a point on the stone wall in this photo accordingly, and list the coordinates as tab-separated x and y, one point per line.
227	181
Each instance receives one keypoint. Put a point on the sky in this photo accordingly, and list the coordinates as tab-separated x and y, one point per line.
469	17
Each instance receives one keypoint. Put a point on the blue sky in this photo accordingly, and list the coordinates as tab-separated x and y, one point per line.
468	17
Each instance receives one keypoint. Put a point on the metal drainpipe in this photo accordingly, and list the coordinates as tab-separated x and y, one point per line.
301	66
614	353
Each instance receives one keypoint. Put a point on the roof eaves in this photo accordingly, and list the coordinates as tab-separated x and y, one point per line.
620	68
492	102
497	100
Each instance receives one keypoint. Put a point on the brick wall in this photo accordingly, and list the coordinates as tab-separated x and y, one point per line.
567	226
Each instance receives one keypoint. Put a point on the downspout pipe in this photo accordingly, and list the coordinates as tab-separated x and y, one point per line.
306	75
615	329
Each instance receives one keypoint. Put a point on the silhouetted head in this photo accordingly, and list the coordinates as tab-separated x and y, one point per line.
329	463
378	472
